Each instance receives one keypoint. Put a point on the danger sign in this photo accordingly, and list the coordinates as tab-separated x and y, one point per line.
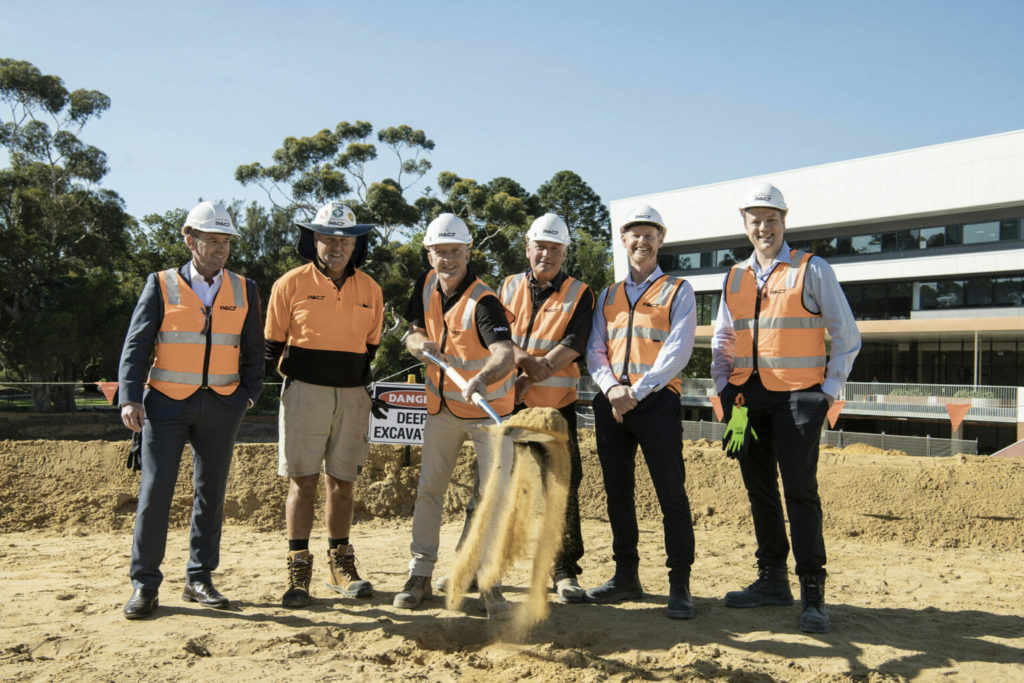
407	413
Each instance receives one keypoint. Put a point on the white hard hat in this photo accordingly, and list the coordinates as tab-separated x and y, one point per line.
447	229
763	194
643	214
334	218
209	217
548	228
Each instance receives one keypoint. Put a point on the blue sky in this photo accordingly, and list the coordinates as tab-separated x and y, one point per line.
635	97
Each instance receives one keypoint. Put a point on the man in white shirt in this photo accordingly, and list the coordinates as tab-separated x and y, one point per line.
776	383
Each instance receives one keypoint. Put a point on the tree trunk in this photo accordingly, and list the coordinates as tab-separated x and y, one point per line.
62	397
40	398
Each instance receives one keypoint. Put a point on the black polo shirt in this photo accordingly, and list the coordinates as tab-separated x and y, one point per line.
489	314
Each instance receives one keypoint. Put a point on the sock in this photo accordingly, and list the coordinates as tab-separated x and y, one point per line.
336	542
298	544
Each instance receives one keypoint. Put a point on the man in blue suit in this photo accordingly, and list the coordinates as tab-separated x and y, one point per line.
201	325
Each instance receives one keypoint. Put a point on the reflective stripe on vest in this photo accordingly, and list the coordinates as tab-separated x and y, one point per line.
538	334
455	332
188	328
790	340
636	333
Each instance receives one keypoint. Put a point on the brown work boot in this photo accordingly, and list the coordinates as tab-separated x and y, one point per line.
344	577
300	571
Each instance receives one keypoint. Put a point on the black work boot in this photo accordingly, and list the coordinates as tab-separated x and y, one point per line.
680	603
812	598
624	585
770	588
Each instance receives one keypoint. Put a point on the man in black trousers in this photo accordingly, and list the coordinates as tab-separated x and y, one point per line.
641	339
203	323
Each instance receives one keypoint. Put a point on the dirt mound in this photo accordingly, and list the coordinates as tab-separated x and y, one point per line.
931	502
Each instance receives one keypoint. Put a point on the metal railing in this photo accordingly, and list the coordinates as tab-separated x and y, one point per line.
924	446
887	399
911	445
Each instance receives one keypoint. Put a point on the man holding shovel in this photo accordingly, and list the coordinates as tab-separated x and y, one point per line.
454	316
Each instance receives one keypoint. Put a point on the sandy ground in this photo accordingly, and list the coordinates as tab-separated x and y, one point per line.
925	561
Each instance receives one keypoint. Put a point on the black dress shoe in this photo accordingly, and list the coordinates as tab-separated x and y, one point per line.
141	604
204	593
680	604
622	586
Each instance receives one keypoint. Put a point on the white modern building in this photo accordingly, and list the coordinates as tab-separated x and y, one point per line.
928	244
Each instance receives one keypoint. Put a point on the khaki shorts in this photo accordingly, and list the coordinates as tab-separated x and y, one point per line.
322	428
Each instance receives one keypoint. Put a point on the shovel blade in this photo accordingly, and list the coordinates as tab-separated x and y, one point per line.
525	434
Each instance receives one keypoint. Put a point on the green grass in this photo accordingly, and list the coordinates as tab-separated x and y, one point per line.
25	403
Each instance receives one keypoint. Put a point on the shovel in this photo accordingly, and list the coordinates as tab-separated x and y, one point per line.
517	434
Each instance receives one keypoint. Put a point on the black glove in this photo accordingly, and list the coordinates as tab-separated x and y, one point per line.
134	461
380	408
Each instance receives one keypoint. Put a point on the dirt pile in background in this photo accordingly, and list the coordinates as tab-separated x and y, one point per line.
964	501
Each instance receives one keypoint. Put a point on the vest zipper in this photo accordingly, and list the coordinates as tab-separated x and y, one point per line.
209	343
757	325
624	379
533	318
444	340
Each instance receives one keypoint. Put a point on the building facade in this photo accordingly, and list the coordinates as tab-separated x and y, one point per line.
928	244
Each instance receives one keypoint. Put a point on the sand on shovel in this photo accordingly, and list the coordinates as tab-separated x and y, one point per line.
507	515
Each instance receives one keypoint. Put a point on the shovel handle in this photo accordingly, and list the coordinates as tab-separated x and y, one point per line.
454	375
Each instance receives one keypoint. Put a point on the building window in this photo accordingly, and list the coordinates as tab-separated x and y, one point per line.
869	244
950	294
707	307
980	233
1009	230
1008	291
866	244
932	237
900	300
979	292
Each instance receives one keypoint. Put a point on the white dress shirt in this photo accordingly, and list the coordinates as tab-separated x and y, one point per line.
205	291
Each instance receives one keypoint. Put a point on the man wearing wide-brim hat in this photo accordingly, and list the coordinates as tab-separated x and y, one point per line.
323	329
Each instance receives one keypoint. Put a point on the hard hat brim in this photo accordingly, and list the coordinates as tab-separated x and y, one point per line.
765	205
357	230
445	240
217	231
306	246
629	224
546	238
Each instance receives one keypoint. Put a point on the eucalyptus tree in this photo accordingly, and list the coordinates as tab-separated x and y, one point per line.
65	239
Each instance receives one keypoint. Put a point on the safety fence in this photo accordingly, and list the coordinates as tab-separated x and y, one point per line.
88	396
925	446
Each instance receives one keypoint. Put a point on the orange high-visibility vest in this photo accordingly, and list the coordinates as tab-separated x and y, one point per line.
539	334
636	333
774	331
455	332
195	347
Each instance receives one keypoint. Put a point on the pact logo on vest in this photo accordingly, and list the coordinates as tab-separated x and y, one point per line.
228	308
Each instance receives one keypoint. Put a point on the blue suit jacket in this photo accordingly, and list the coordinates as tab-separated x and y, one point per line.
137	354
